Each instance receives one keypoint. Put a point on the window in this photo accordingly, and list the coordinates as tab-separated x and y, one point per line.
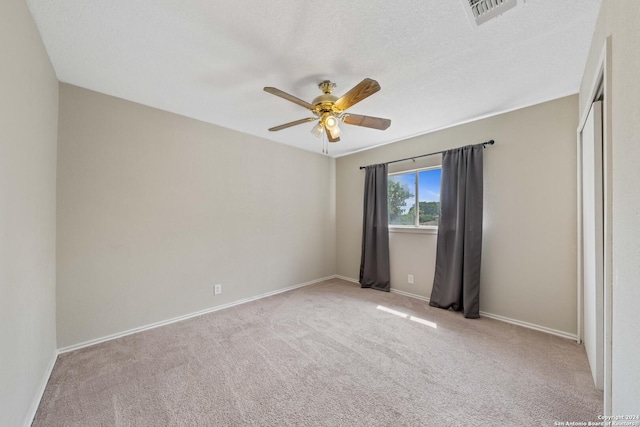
406	190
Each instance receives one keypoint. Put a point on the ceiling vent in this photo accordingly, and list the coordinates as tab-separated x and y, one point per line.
480	11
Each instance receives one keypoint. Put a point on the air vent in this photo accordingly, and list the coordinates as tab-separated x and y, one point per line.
480	11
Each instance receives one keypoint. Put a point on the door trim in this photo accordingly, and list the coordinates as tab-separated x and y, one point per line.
600	87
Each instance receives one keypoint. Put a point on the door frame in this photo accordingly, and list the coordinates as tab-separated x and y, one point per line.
600	88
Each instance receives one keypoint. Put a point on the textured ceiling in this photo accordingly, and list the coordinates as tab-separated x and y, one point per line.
210	59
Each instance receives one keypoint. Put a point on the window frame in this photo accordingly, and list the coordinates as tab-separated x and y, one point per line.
416	228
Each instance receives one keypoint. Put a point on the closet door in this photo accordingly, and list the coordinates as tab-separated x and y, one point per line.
593	242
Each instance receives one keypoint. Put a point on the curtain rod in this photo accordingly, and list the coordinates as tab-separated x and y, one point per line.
484	145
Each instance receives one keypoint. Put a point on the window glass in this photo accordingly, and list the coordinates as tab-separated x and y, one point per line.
406	190
429	196
402	198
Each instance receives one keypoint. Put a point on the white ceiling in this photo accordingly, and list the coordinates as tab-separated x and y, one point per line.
210	59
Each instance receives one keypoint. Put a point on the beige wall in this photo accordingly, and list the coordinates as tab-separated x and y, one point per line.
619	18
529	247
28	133
155	208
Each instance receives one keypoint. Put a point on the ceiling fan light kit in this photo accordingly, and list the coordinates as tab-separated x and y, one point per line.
317	130
329	110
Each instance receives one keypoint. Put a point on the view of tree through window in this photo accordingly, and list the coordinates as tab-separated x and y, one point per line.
405	190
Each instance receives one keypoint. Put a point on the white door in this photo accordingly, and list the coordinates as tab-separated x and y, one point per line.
593	242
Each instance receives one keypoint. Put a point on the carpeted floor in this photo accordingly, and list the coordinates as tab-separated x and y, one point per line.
330	354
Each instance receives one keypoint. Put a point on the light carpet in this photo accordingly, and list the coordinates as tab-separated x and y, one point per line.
329	354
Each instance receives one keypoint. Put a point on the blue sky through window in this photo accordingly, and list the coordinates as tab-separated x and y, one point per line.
428	186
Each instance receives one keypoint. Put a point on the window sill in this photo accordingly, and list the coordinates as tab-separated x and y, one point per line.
412	229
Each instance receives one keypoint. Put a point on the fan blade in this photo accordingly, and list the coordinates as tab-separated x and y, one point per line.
362	90
284	95
297	122
331	136
366	121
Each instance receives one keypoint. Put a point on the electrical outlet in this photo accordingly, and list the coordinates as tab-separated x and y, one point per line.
410	278
217	289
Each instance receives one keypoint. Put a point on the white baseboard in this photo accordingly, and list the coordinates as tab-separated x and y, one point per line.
40	391
185	317
485	314
530	325
409	294
393	291
348	279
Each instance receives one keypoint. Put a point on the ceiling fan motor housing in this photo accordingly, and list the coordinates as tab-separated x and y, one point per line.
324	104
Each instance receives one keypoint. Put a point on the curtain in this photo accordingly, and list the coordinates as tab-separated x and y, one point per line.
456	282
374	263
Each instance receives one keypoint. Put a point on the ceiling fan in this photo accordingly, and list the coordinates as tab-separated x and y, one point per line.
329	110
